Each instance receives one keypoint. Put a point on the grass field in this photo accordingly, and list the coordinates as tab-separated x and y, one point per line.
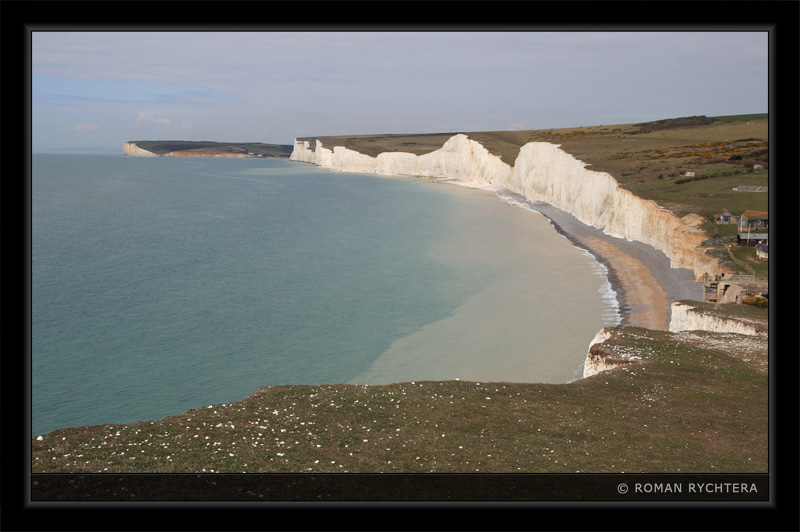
706	197
747	254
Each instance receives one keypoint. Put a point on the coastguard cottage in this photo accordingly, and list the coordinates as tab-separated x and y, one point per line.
724	217
753	227
753	220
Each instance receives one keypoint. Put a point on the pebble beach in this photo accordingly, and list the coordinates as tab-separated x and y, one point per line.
642	277
645	283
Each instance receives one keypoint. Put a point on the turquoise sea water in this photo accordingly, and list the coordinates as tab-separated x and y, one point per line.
161	285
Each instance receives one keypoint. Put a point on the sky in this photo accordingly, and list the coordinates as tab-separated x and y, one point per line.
96	90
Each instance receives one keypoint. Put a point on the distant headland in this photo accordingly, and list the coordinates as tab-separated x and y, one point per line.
188	148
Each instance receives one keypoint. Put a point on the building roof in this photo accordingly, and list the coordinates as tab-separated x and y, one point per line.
755	215
749	188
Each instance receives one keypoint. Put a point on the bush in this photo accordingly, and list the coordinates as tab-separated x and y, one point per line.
756	301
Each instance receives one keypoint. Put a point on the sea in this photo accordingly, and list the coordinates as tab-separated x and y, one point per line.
159	285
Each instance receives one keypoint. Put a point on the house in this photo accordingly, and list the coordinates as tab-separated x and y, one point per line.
753	220
724	217
762	250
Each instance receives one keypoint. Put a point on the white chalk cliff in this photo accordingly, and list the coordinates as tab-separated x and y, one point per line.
130	148
687	317
598	359
541	172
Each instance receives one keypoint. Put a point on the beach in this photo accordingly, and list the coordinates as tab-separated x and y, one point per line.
645	283
642	277
638	276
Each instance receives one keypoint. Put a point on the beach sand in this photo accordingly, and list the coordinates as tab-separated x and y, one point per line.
646	301
645	283
642	277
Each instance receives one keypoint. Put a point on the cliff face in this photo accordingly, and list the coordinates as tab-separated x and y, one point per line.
459	158
686	317
130	148
542	172
599	359
691	326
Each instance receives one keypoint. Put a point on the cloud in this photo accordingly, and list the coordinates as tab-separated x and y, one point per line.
107	90
148	118
85	127
270	85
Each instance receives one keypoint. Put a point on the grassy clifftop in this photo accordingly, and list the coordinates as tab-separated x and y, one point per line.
162	147
650	159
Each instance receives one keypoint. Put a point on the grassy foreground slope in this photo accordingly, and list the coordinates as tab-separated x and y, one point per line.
683	402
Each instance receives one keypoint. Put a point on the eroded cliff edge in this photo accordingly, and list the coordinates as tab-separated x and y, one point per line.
738	331
541	172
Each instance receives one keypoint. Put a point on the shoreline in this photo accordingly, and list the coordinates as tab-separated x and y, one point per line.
641	277
645	282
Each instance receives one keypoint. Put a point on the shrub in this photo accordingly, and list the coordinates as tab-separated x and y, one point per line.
756	301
